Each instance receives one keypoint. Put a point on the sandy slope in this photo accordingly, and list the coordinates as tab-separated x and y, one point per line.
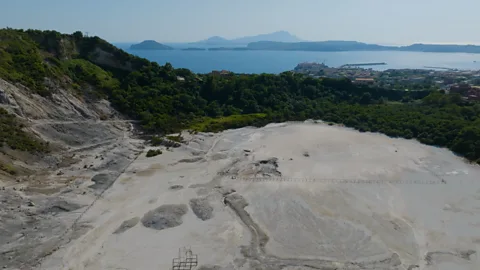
291	196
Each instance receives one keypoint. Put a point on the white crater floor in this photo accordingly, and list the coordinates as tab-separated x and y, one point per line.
287	196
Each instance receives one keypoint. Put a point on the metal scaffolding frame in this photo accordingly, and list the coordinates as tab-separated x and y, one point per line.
186	260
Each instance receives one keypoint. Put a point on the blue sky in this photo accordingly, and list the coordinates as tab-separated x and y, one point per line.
379	21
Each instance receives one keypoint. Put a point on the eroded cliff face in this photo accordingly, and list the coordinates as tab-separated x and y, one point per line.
63	105
42	194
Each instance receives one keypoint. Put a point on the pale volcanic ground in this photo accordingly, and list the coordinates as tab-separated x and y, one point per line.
286	196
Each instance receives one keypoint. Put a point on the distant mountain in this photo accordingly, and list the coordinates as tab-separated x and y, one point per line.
215	40
279	36
150	45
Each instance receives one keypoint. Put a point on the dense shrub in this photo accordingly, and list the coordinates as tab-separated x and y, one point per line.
152	153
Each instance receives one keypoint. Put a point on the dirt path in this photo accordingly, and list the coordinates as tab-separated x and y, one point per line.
49	122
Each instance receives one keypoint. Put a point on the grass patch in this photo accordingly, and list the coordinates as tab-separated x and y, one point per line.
157	141
208	124
11	134
8	168
152	153
177	138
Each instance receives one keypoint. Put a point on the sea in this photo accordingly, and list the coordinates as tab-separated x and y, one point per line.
279	61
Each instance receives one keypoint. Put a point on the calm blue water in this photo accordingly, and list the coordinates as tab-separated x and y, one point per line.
279	61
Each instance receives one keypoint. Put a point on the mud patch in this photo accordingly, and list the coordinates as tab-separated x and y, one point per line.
175	187
126	225
165	216
102	181
190	160
430	258
201	208
210	267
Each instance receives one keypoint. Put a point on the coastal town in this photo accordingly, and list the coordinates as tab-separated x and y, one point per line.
464	82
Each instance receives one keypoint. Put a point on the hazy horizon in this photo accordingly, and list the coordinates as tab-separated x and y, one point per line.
378	43
181	21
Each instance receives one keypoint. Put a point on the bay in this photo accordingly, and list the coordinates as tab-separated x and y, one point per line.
279	61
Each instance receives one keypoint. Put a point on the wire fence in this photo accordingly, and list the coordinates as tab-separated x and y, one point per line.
438	181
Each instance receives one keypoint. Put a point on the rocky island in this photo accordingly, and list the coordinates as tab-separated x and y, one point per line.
150	45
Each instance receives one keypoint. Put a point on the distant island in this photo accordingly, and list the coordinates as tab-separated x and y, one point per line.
150	45
279	36
338	46
194	49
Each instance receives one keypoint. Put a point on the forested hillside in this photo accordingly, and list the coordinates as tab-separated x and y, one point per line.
166	99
